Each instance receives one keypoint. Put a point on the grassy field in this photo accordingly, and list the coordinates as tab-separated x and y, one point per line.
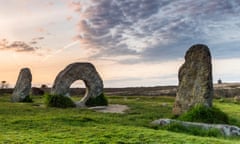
34	123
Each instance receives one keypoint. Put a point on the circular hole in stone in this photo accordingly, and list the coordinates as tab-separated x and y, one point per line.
78	88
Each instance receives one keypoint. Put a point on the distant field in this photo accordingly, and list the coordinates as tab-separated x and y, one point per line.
220	90
34	123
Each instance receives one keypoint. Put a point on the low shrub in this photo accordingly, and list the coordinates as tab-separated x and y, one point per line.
221	100
27	99
58	101
100	100
204	114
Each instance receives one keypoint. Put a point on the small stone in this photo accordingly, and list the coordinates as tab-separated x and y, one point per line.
23	86
236	99
195	80
164	104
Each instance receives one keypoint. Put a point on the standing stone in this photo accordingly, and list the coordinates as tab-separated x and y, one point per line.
23	86
195	80
79	71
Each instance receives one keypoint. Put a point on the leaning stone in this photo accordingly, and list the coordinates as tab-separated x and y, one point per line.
79	71
227	130
23	86
195	80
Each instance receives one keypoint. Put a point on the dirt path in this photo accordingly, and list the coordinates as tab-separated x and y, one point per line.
113	108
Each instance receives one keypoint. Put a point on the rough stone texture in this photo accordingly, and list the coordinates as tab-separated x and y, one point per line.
227	130
195	80
79	71
23	86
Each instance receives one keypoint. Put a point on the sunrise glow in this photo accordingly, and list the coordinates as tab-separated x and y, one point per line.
131	43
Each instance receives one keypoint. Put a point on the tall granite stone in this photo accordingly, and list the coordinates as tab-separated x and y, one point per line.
79	71
195	80
23	86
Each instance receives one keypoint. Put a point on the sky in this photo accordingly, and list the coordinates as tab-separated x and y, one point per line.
132	43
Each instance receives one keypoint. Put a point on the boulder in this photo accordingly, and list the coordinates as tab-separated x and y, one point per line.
23	86
79	71
226	130
195	80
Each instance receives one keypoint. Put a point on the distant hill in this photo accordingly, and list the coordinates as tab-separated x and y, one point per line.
220	90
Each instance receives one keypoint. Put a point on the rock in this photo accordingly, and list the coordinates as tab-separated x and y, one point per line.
23	86
164	104
37	91
79	71
227	130
236	99
195	80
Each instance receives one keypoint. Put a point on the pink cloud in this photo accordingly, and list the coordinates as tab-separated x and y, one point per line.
69	18
41	30
76	6
18	46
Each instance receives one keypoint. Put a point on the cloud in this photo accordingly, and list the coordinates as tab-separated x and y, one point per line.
226	50
156	30
41	30
76	6
50	3
17	46
35	40
38	38
69	18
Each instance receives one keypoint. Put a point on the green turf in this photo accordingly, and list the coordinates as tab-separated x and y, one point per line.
35	123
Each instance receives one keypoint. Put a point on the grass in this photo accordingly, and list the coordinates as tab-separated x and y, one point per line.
100	100
58	101
35	123
193	130
27	99
204	114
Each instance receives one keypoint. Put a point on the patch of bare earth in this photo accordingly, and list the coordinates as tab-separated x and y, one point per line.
113	108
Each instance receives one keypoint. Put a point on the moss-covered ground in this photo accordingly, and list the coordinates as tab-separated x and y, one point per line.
36	123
